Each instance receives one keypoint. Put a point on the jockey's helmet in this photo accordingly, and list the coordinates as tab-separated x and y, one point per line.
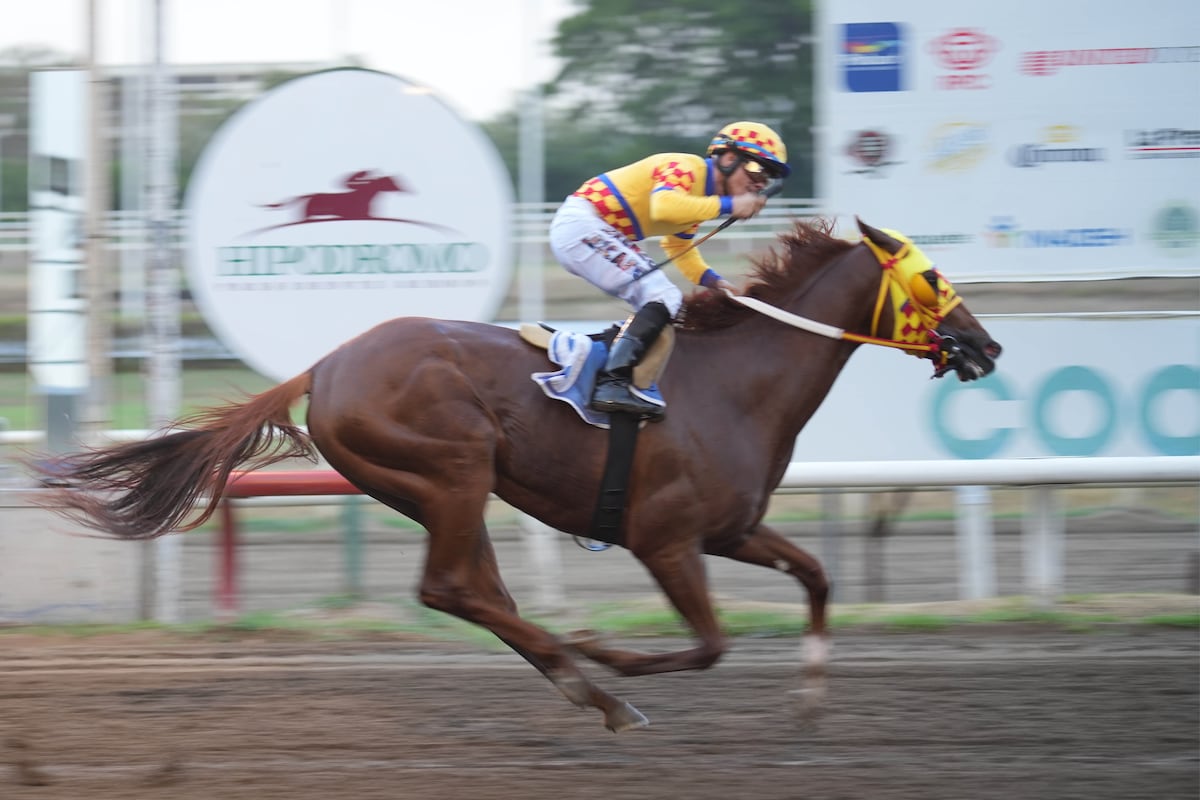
754	140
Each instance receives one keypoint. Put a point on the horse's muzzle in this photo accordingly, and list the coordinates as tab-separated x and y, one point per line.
970	355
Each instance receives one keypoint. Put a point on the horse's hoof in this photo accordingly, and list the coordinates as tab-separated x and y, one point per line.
625	718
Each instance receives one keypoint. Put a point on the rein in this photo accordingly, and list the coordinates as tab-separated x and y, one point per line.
891	282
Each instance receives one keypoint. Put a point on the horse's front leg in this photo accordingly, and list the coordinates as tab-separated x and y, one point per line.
767	548
462	578
681	575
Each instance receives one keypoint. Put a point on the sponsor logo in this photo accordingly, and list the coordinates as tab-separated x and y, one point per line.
872	57
935	241
963	53
870	150
1176	229
1162	143
1042	63
957	146
1051	151
351	251
1004	232
304	231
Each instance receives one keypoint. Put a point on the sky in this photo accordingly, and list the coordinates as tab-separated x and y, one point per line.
475	54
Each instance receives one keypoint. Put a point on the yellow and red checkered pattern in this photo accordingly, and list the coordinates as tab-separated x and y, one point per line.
675	174
596	192
754	138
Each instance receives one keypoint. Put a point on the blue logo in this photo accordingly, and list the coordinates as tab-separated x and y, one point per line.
872	57
1005	232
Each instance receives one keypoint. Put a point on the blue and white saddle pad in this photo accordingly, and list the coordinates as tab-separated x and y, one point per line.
581	358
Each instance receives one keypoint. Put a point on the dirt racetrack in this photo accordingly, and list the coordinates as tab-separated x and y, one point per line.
971	713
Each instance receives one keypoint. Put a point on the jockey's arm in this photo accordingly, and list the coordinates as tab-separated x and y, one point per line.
690	262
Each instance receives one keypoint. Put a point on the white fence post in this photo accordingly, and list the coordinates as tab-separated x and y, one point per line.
1043	540
542	543
973	529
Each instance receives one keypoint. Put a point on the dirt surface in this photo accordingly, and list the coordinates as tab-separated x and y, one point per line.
1101	711
978	712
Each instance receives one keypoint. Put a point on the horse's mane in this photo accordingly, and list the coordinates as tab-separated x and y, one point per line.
776	275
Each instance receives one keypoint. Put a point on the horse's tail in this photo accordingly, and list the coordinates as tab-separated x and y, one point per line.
142	490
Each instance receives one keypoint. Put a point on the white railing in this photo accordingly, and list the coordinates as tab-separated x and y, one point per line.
1043	524
530	224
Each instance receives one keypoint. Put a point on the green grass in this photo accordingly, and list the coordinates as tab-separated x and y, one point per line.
1173	620
334	618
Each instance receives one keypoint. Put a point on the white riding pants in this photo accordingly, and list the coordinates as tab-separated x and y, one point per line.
589	247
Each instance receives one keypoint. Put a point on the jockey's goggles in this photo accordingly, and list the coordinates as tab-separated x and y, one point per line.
760	170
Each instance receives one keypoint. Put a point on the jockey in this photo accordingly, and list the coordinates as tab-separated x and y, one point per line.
595	233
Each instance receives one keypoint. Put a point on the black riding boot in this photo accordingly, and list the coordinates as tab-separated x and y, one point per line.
631	343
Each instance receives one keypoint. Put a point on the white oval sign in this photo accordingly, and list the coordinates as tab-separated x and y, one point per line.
337	201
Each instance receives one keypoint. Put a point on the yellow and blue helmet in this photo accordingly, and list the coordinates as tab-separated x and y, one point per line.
755	140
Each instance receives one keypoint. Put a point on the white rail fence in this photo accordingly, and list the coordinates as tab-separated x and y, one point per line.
1043	524
530	224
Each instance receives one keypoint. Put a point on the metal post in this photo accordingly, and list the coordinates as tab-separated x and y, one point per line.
973	527
542	542
96	411
226	600
352	550
531	178
5	121
831	536
162	297
1043	538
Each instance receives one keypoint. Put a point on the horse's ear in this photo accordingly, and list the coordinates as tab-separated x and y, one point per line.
887	243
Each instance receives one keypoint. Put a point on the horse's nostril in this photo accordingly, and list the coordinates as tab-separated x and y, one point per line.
992	350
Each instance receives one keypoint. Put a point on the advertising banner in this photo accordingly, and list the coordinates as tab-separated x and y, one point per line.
1085	386
1021	140
58	106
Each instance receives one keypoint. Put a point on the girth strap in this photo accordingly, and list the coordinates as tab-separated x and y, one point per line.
610	504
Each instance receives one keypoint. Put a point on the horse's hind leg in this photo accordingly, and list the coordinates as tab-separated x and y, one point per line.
680	574
767	548
462	578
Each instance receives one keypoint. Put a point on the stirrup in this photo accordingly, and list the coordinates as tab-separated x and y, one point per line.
624	402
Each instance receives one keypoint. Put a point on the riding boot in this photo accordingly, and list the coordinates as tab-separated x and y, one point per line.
612	392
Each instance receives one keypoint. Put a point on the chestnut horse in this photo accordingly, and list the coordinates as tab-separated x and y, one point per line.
432	417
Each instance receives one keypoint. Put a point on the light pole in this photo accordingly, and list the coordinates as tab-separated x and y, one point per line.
6	123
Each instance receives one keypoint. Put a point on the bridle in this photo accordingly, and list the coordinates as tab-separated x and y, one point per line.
915	319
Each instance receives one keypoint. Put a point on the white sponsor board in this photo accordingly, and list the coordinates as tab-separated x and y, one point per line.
58	105
337	201
1022	140
1083	386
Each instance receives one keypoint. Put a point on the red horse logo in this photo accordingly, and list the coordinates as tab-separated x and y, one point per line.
354	204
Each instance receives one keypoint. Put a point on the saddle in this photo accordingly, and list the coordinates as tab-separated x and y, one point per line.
645	373
623	431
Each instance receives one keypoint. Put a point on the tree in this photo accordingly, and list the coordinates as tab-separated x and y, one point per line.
677	71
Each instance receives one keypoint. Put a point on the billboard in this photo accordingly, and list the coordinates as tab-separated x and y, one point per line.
1017	141
1102	385
58	105
339	200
